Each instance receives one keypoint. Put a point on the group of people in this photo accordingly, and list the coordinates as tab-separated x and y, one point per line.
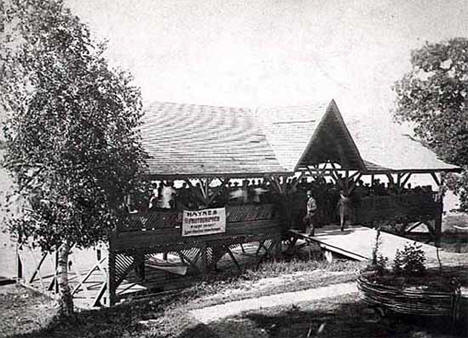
310	203
165	195
327	203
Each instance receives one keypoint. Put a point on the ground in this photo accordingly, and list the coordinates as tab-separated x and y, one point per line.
24	313
344	316
22	310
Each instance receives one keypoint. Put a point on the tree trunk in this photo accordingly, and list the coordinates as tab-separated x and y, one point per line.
66	299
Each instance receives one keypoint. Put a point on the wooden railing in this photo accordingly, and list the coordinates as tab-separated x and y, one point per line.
170	219
404	207
162	229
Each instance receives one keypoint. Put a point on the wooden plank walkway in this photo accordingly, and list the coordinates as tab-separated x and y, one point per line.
357	242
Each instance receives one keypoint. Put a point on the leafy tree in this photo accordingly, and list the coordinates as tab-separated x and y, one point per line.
72	140
434	97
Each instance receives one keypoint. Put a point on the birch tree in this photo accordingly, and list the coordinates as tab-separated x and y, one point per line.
71	135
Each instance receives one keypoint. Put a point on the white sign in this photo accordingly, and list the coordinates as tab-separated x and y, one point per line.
204	222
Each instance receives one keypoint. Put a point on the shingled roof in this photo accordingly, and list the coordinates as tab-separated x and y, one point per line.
198	140
308	135
312	134
289	129
392	149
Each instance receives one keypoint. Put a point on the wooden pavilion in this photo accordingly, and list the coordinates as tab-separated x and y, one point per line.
205	148
315	141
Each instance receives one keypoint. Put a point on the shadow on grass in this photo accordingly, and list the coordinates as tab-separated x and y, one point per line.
328	320
350	320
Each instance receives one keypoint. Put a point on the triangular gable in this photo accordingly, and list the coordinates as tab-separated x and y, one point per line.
331	141
289	129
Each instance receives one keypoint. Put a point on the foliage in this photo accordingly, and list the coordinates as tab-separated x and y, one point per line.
376	248
410	261
72	144
381	265
434	97
379	262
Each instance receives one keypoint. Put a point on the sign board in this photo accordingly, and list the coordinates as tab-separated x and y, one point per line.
204	222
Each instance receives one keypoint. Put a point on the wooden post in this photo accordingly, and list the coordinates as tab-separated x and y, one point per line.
346	183
139	263
204	259
278	248
54	283
438	222
19	264
440	208
111	282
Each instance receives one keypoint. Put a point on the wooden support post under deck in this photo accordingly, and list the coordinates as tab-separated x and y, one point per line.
111	282
204	259
277	253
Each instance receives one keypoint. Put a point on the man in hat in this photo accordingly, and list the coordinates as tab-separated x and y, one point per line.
309	219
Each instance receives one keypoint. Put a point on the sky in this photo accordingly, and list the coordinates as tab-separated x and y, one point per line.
271	53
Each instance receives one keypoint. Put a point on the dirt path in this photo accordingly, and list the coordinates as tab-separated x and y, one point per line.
213	313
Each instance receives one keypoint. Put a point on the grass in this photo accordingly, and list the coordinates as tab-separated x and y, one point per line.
452	222
344	316
23	310
166	315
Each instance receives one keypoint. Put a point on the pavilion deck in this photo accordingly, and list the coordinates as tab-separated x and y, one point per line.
88	282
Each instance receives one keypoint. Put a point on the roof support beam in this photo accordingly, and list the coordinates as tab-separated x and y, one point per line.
436	179
405	180
390	179
294	185
218	189
352	186
336	176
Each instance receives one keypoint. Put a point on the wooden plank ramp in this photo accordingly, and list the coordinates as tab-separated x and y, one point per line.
357	242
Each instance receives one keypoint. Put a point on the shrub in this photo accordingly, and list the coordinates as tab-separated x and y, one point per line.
410	261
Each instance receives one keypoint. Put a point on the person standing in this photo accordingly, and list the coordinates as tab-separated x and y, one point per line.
345	209
311	213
